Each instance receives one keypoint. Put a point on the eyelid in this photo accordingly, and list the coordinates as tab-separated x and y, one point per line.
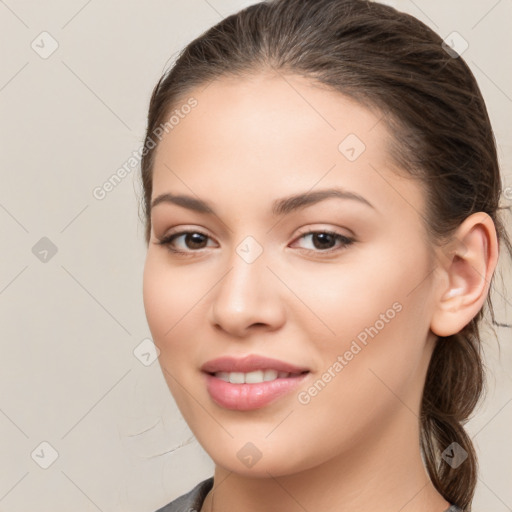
332	252
324	229
180	231
184	229
302	231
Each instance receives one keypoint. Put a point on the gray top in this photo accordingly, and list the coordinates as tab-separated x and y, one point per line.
193	500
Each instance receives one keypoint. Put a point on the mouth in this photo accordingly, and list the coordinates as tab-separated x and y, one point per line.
255	377
247	396
251	382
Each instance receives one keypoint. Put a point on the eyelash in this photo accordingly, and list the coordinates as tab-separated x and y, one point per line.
345	241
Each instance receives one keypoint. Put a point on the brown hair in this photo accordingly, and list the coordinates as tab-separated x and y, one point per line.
431	102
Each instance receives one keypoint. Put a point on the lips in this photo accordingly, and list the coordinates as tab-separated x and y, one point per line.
249	364
251	382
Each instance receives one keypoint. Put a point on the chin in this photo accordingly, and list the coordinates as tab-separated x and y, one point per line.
251	462
260	469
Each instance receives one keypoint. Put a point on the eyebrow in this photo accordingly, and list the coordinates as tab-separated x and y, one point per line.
280	207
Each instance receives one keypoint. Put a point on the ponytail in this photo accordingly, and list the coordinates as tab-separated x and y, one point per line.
453	387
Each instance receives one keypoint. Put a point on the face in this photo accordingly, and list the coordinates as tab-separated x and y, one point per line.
335	287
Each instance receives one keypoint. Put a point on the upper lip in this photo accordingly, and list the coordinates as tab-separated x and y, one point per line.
248	364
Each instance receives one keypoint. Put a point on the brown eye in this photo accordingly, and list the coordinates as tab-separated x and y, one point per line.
192	241
325	241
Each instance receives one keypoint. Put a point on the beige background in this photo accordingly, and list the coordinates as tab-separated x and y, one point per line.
70	325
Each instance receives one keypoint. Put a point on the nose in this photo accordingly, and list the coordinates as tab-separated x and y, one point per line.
247	298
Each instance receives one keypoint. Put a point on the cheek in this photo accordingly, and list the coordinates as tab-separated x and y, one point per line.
383	331
378	319
156	300
175	303
346	299
166	300
166	304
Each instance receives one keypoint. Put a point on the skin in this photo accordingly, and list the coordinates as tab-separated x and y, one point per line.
354	446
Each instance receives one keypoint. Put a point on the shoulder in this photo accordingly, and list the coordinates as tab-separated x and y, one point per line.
192	501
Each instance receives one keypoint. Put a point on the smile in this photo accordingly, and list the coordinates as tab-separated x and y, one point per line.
254	377
250	382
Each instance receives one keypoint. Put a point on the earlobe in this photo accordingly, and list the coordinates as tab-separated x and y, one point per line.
466	275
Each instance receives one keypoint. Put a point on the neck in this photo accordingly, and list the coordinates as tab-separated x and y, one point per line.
382	473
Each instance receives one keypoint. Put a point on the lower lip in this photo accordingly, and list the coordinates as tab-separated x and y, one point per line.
246	397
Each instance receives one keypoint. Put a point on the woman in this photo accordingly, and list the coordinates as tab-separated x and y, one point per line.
321	197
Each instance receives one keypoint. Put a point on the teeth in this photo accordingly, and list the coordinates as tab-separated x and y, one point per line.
254	377
273	375
236	378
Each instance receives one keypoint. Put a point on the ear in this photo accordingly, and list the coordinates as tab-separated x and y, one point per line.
465	274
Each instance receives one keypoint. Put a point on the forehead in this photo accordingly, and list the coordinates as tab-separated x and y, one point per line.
269	108
275	134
